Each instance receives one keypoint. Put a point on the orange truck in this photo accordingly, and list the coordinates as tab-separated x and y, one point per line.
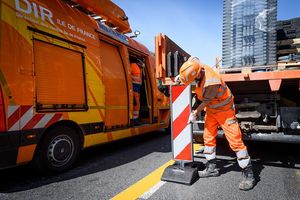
267	100
65	81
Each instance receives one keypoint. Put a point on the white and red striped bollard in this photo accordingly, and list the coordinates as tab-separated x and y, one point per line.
183	170
182	139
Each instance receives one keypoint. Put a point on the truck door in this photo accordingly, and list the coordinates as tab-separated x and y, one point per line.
116	91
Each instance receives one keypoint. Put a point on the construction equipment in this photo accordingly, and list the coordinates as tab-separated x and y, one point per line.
66	83
266	100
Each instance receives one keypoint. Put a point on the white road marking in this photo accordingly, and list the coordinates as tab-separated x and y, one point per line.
152	190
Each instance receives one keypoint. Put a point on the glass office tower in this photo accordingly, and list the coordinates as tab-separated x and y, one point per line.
249	32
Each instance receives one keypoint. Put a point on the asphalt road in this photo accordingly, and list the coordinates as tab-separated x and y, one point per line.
103	172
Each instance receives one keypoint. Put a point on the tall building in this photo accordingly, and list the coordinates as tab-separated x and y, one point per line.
249	32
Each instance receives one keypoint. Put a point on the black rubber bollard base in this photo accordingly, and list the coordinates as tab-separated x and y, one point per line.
188	175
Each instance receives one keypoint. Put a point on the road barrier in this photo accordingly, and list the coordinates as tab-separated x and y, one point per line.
182	140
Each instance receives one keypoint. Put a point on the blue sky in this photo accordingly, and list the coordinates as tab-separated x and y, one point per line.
195	25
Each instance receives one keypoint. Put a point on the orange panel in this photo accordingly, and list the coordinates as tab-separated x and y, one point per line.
59	75
160	56
275	84
25	153
285	74
16	66
116	95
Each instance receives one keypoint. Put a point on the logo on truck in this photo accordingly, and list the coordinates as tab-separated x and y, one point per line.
38	10
26	9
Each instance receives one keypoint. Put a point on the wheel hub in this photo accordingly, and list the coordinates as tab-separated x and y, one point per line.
60	150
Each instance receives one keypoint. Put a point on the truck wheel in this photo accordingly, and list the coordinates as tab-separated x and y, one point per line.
58	150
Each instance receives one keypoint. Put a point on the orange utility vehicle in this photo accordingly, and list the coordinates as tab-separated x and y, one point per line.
66	83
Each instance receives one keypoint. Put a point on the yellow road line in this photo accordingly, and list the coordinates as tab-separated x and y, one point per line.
143	185
139	188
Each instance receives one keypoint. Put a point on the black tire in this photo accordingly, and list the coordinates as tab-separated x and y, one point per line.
58	150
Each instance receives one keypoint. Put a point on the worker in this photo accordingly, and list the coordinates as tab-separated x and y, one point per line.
136	66
218	102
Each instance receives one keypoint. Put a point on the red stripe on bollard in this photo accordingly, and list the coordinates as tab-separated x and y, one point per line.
185	154
176	92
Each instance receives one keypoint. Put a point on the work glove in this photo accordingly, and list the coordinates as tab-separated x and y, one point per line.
192	117
177	80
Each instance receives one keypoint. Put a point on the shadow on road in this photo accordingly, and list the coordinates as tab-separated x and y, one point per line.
262	154
118	153
91	160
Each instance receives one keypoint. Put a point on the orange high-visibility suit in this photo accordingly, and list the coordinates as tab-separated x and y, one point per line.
136	75
220	111
218	101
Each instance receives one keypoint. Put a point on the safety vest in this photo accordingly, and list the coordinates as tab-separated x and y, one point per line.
224	98
136	75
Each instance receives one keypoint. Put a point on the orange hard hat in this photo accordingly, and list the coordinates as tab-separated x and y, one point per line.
189	71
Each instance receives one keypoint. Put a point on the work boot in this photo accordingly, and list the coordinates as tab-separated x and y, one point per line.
248	180
210	169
